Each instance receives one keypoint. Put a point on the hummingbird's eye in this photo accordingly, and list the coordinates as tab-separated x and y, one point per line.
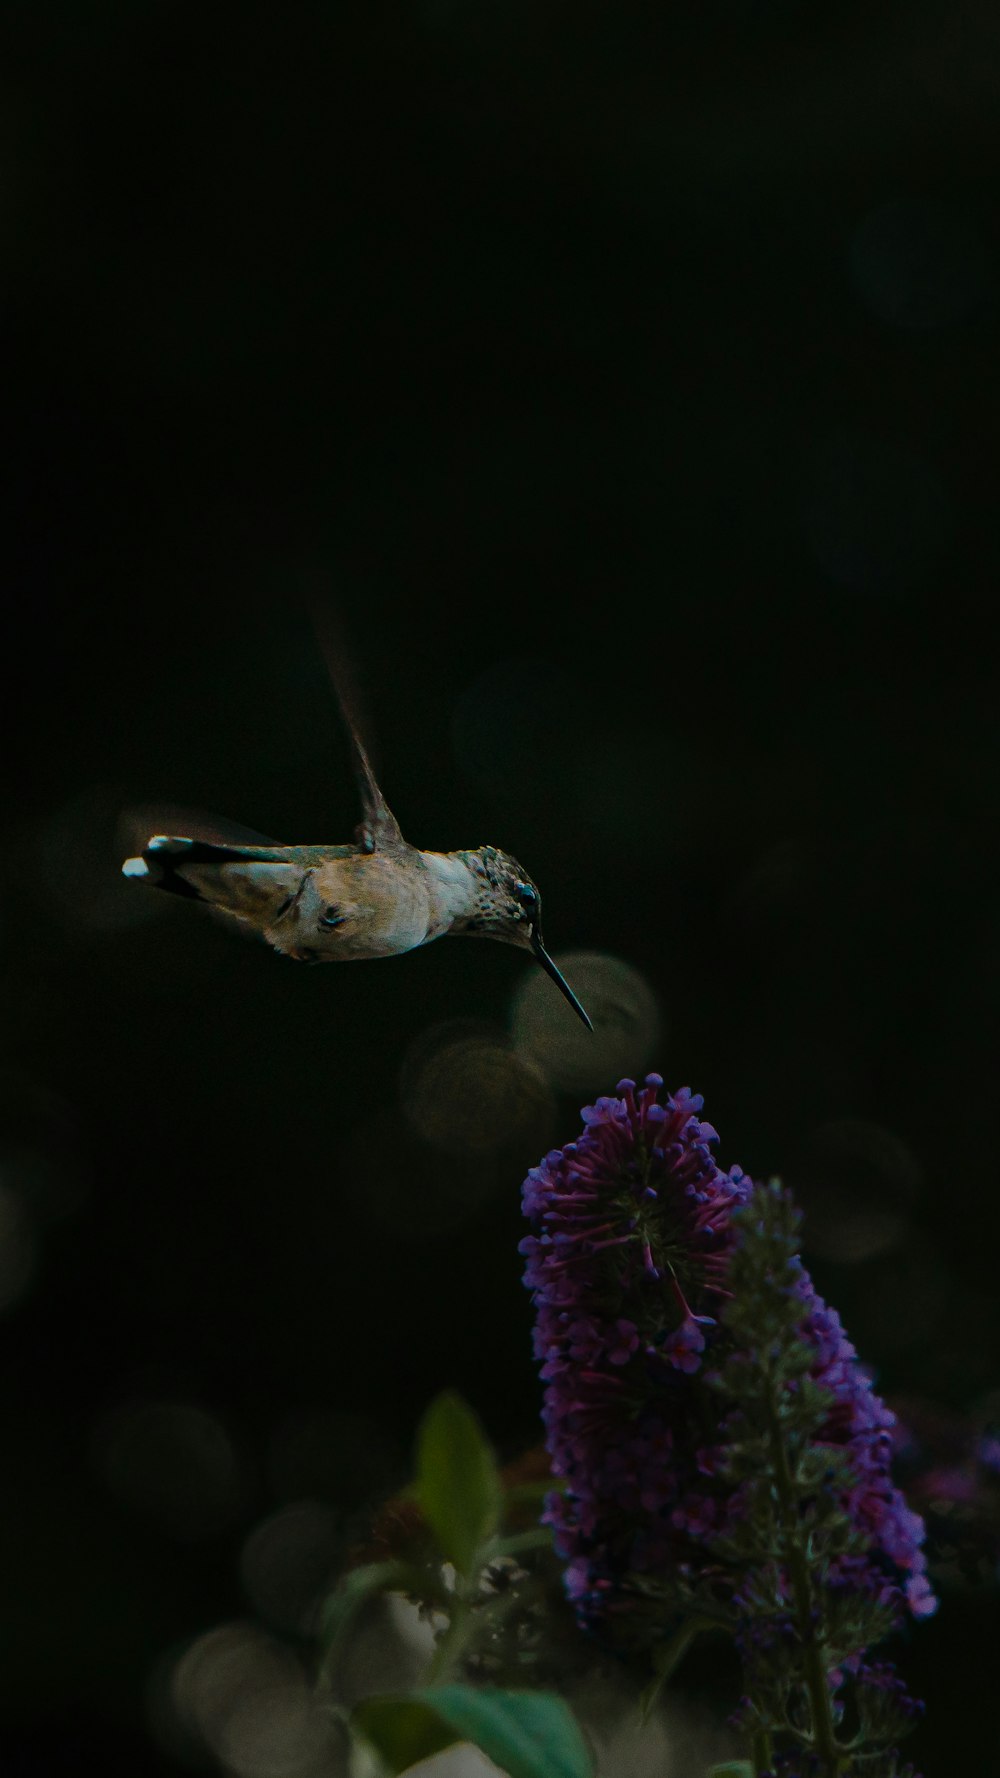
528	898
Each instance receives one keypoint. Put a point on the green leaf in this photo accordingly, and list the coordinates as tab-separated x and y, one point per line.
519	1543
733	1768
648	1697
458	1484
526	1734
403	1731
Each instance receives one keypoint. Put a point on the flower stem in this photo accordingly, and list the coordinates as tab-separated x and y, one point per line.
452	1643
823	1734
467	1625
761	1751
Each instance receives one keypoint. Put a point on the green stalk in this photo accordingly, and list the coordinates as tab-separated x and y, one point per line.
823	1733
465	1628
453	1642
762	1752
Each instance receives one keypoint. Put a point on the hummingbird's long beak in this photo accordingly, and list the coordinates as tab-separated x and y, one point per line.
560	980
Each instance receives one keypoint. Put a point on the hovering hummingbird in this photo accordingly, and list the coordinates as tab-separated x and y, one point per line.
377	897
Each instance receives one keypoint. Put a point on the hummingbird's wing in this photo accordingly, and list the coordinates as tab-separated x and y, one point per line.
379	830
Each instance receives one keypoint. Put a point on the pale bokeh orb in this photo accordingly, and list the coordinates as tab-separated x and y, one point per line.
290	1562
465	1089
248	1700
624	1010
857	1182
172	1462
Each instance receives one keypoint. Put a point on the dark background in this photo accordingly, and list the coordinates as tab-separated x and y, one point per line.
626	376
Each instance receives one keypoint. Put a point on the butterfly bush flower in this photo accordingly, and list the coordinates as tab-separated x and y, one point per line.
721	1449
628	1268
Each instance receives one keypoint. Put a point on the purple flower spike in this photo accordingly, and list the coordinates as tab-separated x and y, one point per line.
635	1233
633	1237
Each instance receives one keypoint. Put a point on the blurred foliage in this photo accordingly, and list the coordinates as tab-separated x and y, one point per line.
488	1612
528	1734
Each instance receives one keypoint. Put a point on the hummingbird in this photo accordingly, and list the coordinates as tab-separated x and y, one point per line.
376	897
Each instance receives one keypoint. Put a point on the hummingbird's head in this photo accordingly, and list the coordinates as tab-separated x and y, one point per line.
507	905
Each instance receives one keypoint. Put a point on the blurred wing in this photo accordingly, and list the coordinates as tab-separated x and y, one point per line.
379	829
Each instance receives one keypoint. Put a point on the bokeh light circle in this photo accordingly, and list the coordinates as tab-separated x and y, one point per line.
246	1697
174	1463
624	1010
289	1563
465	1089
857	1182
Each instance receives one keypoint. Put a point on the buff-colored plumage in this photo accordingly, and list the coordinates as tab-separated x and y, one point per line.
375	898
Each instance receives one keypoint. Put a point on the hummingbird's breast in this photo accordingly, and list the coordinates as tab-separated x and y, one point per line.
363	905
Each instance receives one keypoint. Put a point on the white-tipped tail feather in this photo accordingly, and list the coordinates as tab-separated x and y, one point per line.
249	882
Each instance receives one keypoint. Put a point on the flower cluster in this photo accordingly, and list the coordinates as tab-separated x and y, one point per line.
884	1556
723	1453
634	1234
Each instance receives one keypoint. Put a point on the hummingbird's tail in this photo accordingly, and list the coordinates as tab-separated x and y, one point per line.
223	876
